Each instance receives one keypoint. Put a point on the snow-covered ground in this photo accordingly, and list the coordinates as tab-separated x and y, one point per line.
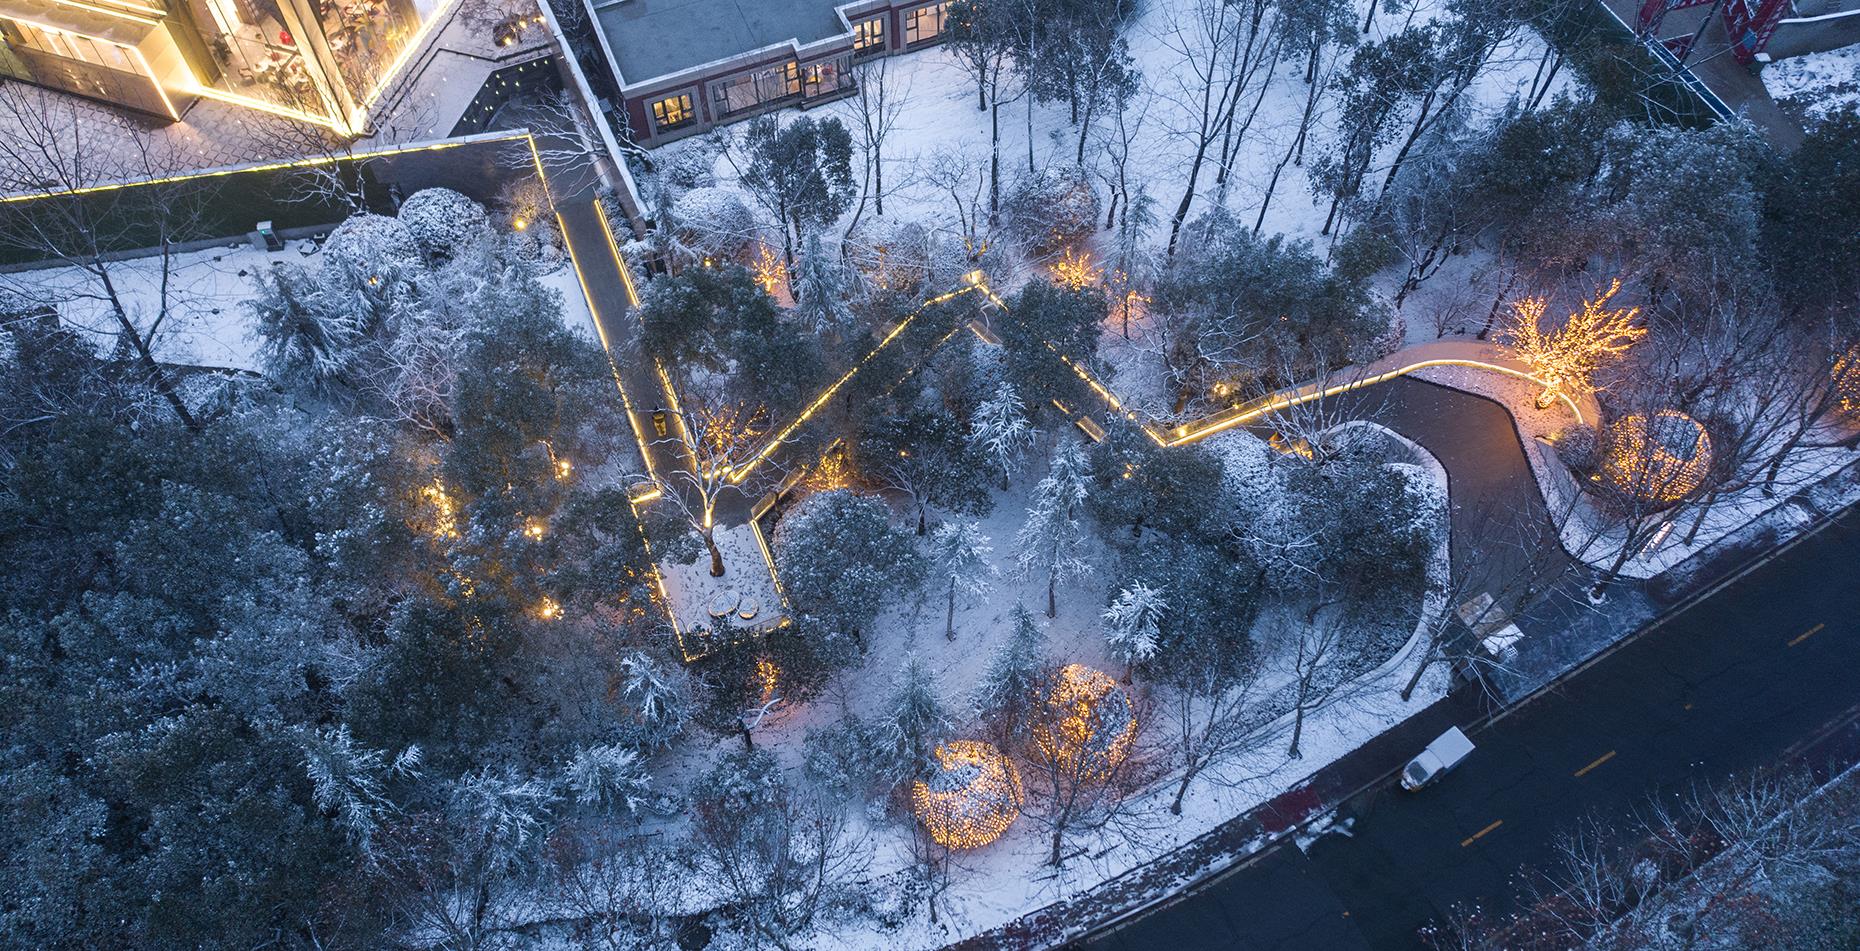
208	323
941	125
1816	83
993	885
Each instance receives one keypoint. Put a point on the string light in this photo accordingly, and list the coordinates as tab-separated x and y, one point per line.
971	796
1087	723
1662	458
1590	338
1075	270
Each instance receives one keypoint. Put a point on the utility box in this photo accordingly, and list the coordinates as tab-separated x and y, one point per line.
265	237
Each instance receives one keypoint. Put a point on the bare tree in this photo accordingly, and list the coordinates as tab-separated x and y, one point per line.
717	437
1207	40
780	861
1084	771
1325	652
1209	706
48	158
878	102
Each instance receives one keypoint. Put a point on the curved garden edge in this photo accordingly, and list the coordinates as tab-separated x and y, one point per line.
1271	817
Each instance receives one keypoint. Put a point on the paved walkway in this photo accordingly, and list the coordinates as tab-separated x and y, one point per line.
1711	61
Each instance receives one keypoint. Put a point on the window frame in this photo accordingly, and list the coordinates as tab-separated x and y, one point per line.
683	102
869	36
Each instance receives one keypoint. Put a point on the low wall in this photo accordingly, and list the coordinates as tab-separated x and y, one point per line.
1803	35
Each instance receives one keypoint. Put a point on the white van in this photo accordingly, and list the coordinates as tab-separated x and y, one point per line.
1441	755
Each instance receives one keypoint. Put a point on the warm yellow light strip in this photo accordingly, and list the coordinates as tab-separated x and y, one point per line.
265	167
259	105
600	328
400	59
147	72
147	16
1221	422
742	471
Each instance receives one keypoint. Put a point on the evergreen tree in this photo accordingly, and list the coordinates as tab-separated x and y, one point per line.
1013	678
914	722
1133	623
820	293
1049	541
960	552
1000	430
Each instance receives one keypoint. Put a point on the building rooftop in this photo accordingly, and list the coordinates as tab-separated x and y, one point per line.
653	38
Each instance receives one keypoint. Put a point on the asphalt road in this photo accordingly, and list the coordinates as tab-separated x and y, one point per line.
1734	682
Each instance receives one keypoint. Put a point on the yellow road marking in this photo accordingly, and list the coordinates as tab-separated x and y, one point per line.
1599	760
1480	834
1805	635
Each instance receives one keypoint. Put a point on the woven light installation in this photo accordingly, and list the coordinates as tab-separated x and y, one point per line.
1661	458
1088	724
971	797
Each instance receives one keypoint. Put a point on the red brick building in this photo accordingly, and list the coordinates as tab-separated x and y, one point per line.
683	66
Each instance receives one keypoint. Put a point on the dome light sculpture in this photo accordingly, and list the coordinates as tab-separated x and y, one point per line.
1659	458
1087	724
971	796
1846	378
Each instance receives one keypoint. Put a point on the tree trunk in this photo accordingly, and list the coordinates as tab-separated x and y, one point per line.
1371	18
716	554
144	355
1188	196
1414	680
1181	789
994	163
1298	732
949	621
1052	594
878	181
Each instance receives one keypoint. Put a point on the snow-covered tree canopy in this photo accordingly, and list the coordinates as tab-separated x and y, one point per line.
441	220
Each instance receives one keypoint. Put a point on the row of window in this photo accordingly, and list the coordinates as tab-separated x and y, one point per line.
742	92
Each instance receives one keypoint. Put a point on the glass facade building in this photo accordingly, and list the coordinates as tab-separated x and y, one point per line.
322	61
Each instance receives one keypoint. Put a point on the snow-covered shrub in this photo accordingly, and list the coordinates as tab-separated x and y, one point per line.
692	164
523	211
715	222
373	244
657	696
892	253
441	220
1053	209
1576	445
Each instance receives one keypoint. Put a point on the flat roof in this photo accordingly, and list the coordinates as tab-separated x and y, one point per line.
653	38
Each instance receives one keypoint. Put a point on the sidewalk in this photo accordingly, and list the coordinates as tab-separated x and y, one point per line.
1214	855
1711	61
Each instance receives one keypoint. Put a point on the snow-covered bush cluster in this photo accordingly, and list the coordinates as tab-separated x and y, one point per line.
443	221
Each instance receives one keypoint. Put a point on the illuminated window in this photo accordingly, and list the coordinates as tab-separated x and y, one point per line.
790	80
925	23
672	111
869	36
825	77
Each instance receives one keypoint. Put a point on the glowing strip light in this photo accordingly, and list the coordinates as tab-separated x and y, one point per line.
414	42
741	472
267	167
1221	422
148	16
259	105
147	73
626	271
600	328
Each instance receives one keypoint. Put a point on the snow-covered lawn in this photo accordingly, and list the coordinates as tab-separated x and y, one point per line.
993	885
1817	83
208	322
